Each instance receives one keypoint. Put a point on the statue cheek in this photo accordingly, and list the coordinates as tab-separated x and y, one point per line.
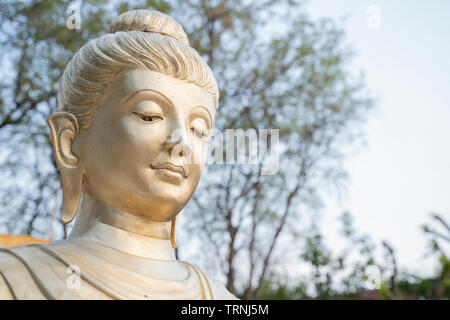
195	172
141	136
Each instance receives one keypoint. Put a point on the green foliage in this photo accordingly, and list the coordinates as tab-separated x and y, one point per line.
315	252
277	291
394	284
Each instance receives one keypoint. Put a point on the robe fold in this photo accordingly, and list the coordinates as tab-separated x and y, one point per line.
80	269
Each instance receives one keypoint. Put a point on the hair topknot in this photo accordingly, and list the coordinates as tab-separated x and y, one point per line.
150	21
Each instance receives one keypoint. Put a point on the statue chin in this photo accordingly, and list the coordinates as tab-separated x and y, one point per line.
157	208
129	160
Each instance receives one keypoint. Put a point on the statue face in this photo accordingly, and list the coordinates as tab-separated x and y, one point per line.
144	152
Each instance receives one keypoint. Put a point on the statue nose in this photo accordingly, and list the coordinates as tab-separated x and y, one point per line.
177	145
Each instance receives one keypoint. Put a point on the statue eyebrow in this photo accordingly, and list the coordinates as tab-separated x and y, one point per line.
207	111
157	94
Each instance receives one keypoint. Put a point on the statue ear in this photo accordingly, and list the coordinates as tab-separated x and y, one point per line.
64	128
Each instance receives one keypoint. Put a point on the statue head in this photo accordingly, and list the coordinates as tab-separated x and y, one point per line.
136	106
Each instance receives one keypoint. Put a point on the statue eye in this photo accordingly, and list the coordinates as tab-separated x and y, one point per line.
148	118
200	134
199	128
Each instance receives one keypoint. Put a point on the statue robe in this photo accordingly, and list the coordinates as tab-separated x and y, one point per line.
80	269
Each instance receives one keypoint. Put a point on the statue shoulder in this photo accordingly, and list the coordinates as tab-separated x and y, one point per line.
220	292
16	273
215	289
5	290
7	263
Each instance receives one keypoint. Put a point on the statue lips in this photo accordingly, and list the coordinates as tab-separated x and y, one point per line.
171	167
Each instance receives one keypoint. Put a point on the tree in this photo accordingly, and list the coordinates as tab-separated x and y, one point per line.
347	274
276	68
440	236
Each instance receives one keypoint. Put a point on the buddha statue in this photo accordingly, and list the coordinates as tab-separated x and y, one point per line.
129	139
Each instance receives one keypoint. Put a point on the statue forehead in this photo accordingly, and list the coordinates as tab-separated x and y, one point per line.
177	91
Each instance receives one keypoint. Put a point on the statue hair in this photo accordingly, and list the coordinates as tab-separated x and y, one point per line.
140	39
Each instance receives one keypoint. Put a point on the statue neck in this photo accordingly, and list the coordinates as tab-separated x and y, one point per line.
123	231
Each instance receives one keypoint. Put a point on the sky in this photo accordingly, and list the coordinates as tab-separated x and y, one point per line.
403	173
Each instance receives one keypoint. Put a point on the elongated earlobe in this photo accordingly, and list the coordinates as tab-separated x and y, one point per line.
72	187
64	129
